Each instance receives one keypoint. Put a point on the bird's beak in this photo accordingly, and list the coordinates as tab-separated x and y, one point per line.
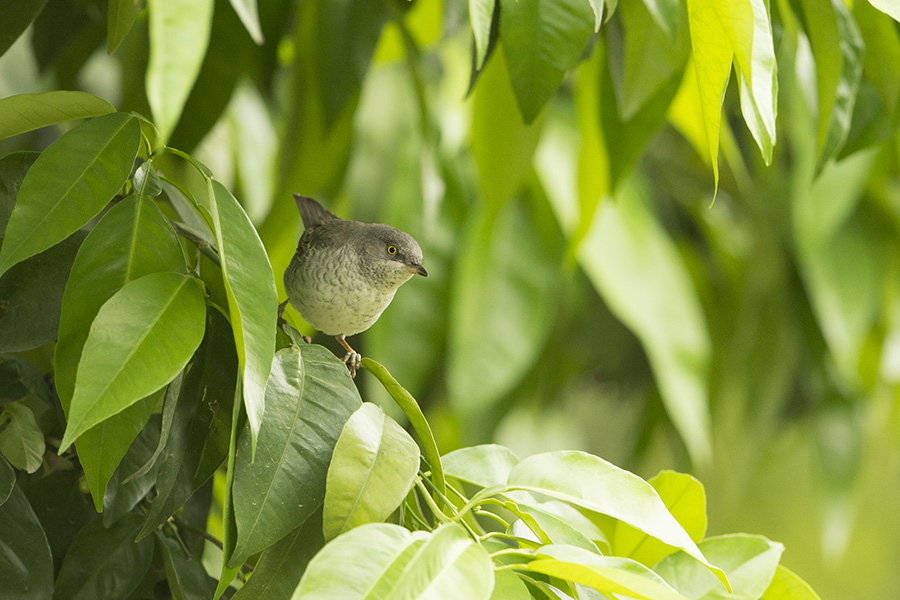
417	270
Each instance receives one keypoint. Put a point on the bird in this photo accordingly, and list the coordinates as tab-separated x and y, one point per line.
345	273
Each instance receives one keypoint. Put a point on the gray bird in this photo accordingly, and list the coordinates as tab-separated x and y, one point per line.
345	273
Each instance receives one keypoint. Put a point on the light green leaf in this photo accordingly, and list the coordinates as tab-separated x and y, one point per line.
487	466
686	501
120	17
667	14
69	183
248	12
786	585
21	440
481	14
749	561
638	271
597	7
27	112
387	561
309	398
179	35
607	574
252	303
509	586
142	337
542	39
372	469
888	7
590	482
26	567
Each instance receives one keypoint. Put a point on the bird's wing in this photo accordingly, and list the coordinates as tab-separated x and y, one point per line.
312	212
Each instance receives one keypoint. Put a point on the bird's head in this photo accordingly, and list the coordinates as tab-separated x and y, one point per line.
390	255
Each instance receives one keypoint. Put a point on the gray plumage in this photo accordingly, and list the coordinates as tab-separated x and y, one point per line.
345	273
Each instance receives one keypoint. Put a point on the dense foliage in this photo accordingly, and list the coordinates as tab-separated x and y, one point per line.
599	282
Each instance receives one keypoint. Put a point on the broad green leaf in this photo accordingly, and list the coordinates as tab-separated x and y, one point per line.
280	566
21	440
542	39
69	183
786	585
248	12
179	34
142	337
509	586
7	480
556	529
26	568
13	168
31	295
252	302
481	15
120	17
611	575
185	575
122	492
197	440
27	112
637	269
387	561
502	144
17	16
888	7
309	397
104	563
371	471
749	561
486	466
501	309
686	501
592	483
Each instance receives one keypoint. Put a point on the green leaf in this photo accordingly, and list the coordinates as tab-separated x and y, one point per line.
486	466
509	586
201	417
542	39
686	501
309	397
7	480
592	483
667	14
27	112
556	529
120	17
186	576
31	295
26	568
142	337
21	440
17	16
69	183
638	271
387	561
104	563
13	168
749	561
121	495
249	15
481	14
179	34
371	471
786	585
611	575
252	302
888	7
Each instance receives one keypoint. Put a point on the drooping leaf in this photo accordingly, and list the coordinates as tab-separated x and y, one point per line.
186	575
141	338
309	397
17	16
120	17
69	183
371	471
481	14
27	112
179	34
121	495
7	480
249	15
487	466
21	440
26	568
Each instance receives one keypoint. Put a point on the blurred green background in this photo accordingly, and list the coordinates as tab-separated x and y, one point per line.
585	290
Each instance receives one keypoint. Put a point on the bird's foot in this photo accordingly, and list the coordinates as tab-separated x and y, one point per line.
281	308
352	360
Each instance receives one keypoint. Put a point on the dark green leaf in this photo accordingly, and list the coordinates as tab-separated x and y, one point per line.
146	181
121	497
141	339
120	17
69	183
13	167
187	577
309	398
104	563
21	440
27	112
31	296
7	479
26	568
17	16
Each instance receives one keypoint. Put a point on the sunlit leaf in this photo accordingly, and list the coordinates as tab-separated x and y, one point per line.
26	112
481	14
487	466
249	15
786	585
888	7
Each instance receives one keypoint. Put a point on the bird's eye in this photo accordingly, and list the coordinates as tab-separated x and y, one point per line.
392	250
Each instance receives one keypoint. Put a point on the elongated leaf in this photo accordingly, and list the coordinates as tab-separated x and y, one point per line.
17	16
786	585
120	17
179	34
611	575
488	465
252	302
592	483
21	440
70	183
481	14
888	7
27	112
13	168
373	467
685	499
26	568
309	398
749	561
121	495
542	39
636	268
667	14
7	480
104	563
249	15
386	561
142	337
186	576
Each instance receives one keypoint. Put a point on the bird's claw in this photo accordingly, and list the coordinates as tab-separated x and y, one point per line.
352	359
